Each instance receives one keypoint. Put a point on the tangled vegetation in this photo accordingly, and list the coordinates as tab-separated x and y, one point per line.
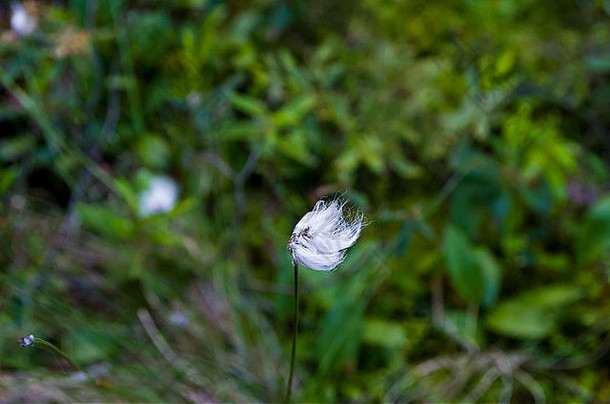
473	134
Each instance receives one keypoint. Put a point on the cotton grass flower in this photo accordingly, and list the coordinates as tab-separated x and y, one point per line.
319	241
321	238
21	22
160	197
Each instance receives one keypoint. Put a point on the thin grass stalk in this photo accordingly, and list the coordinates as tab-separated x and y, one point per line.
294	332
65	356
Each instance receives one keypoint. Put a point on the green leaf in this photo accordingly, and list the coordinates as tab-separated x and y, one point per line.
505	62
491	275
247	105
294	145
598	63
383	333
7	177
340	336
464	269
183	207
462	326
516	319
106	222
13	148
601	209
371	153
405	168
240	130
338	111
474	271
404	237
293	112
154	152
593	235
532	314
124	188
90	345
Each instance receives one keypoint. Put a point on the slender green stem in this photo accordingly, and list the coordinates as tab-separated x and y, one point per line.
61	353
294	331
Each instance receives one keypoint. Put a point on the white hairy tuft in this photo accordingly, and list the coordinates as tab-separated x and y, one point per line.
320	239
160	197
21	22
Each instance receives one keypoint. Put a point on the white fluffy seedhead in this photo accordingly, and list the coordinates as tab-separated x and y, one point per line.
21	22
160	197
320	239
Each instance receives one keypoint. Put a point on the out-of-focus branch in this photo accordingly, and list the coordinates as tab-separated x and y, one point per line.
166	351
220	164
238	178
439	319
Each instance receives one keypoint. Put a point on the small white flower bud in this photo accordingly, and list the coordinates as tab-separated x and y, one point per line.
26	341
320	239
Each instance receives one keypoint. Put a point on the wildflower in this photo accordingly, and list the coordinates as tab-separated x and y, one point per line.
22	22
160	196
26	341
320	239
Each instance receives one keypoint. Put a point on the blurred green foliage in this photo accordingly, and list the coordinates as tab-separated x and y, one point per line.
473	134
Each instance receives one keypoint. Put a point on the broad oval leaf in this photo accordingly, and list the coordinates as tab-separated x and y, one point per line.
532	314
463	267
593	235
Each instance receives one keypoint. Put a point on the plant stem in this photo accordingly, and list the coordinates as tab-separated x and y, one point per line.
61	353
294	331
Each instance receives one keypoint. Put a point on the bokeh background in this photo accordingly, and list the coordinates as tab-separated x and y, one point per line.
155	155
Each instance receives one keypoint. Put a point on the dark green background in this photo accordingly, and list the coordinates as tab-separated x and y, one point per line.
475	136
